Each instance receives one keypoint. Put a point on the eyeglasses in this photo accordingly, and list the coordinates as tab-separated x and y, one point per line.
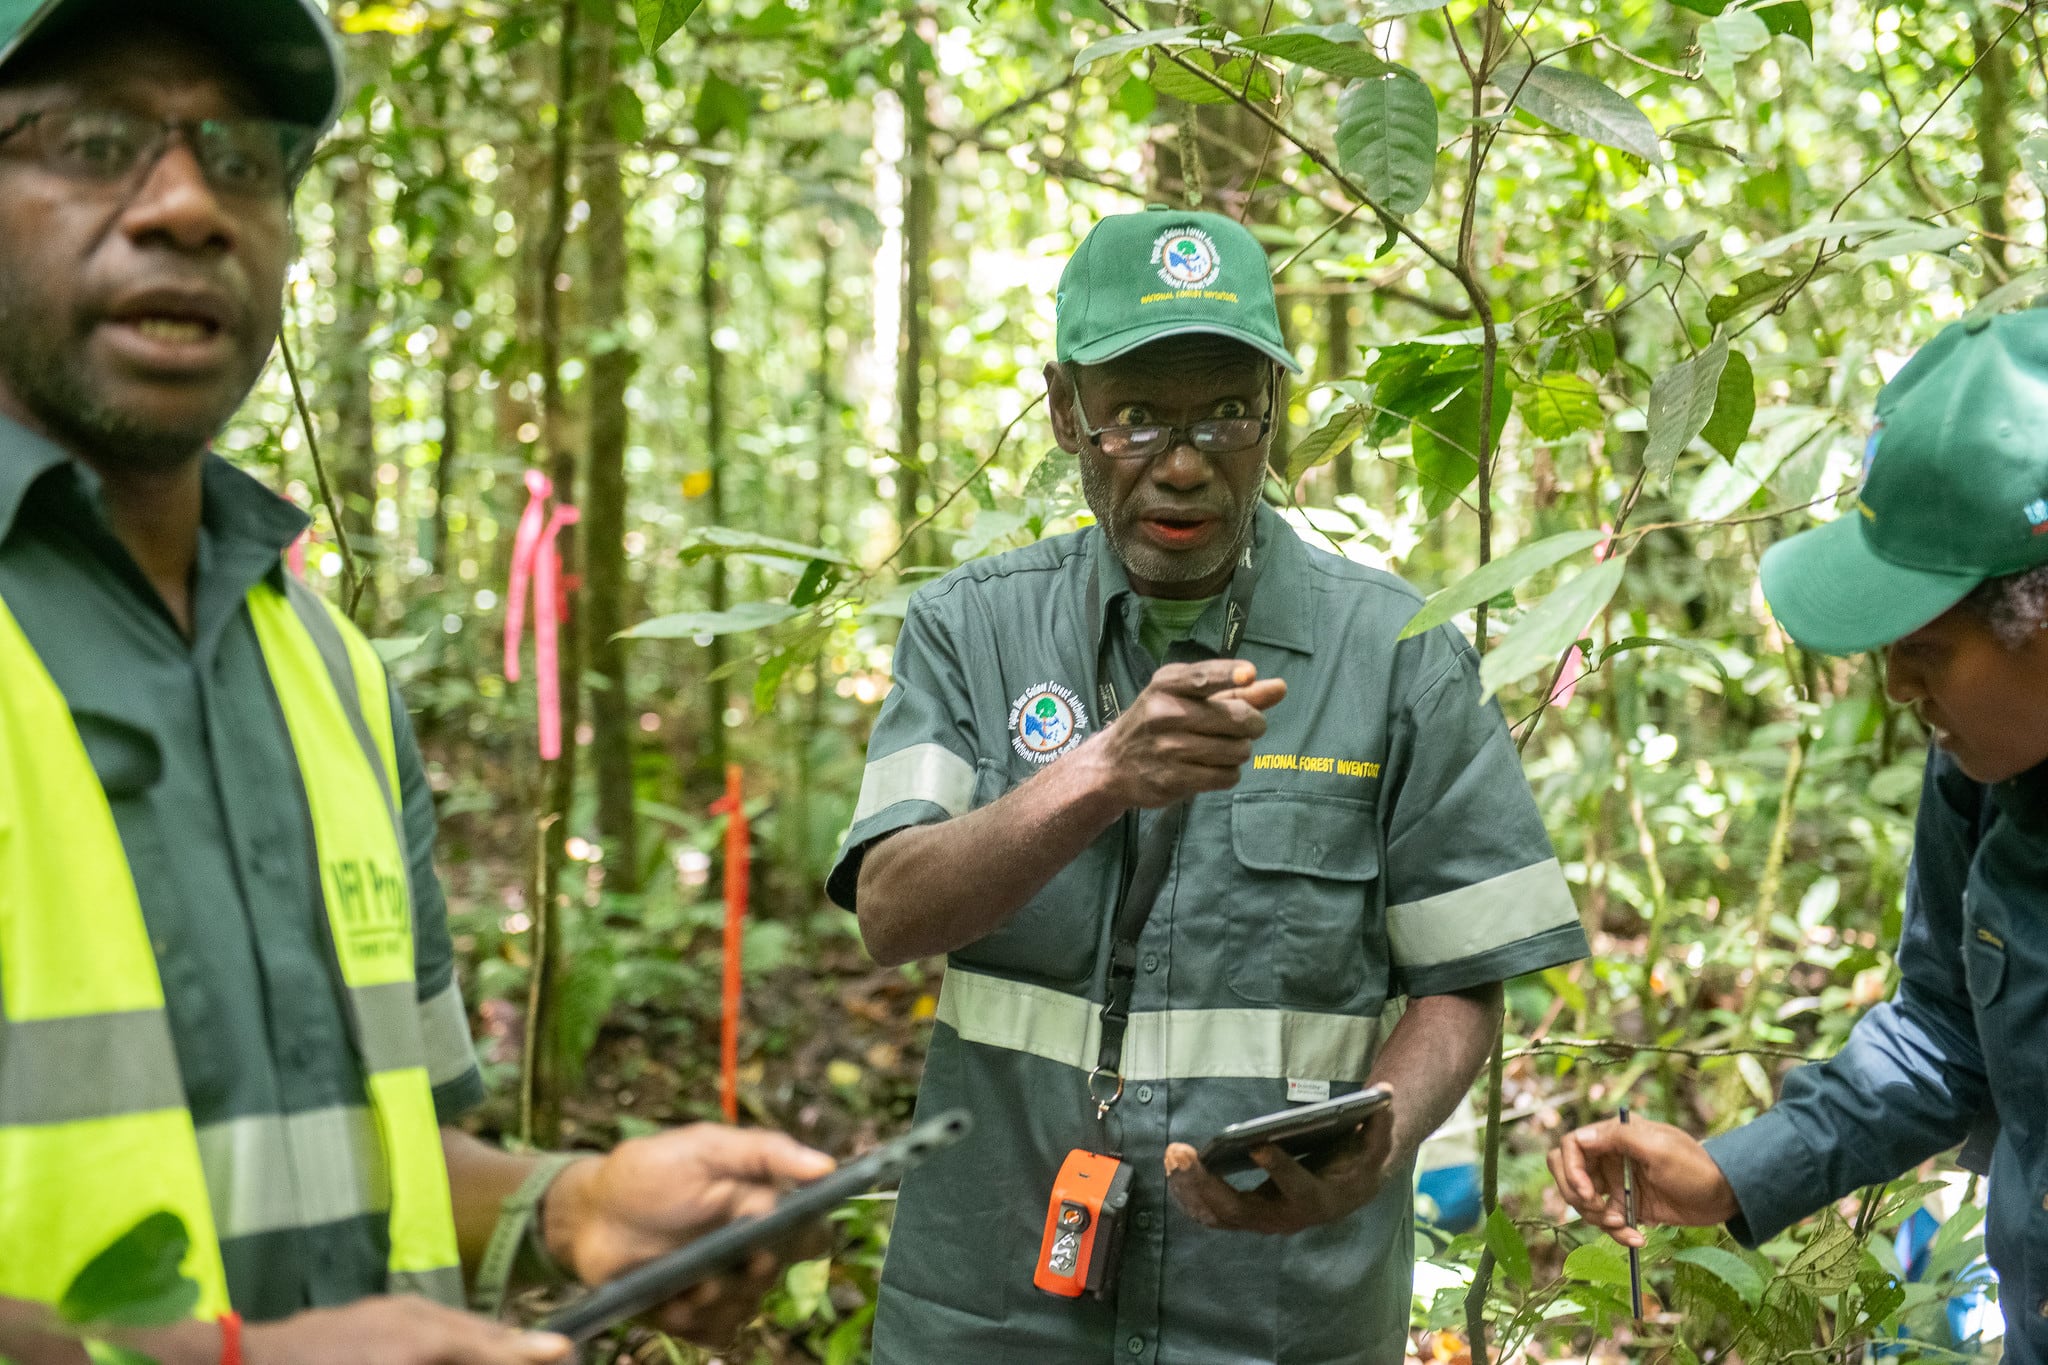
1210	435
246	158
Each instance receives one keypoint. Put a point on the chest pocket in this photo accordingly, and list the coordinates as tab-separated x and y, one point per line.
1306	897
1984	964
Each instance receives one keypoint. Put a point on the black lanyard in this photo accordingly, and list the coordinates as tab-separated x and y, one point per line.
1154	840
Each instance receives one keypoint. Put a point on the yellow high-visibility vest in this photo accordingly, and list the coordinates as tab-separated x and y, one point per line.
95	1130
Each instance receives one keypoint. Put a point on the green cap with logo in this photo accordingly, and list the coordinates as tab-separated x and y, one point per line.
1141	277
1955	492
286	48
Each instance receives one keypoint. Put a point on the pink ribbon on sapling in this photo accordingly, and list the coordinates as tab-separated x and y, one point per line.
1575	661
549	608
525	545
295	557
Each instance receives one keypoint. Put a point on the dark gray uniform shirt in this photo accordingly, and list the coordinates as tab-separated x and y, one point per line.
1382	843
1964	1037
191	747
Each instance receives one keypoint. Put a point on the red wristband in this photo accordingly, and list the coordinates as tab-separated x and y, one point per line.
230	1338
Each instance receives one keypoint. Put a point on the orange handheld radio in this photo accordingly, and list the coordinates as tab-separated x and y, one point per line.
1084	1227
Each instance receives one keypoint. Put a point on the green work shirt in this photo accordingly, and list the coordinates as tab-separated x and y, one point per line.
190	744
1382	843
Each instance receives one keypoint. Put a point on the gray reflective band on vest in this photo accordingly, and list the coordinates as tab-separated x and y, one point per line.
922	772
1162	1045
88	1066
444	1028
1482	917
387	1022
272	1172
443	1286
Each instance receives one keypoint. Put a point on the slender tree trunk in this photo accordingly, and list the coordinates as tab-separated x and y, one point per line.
827	396
1337	359
611	370
353	453
1994	137
444	268
712	300
914	334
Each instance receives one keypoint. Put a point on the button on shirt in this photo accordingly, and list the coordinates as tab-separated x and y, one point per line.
190	745
1382	843
1961	1047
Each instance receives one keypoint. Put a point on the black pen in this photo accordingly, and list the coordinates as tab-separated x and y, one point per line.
1628	1213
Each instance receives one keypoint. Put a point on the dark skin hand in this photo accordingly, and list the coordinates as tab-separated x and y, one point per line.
1675	1180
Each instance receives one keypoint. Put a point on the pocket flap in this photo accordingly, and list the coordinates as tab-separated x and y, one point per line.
1324	836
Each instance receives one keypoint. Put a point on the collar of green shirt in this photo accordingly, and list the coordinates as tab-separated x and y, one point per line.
238	510
1282	610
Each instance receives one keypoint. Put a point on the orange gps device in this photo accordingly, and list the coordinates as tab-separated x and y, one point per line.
1084	1222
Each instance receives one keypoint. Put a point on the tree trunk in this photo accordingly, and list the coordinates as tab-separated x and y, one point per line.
712	300
611	370
444	268
914	333
1994	138
1337	361
353	453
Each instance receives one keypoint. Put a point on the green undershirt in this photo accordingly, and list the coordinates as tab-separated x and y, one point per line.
1168	619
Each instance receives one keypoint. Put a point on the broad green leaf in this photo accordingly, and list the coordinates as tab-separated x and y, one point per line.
1543	634
1556	405
1579	105
708	541
1828	1263
1728	41
1681	401
1706	7
1135	99
1734	407
1510	1252
137	1281
1176	81
820	577
1730	1269
1603	1261
1340	427
1445	467
1640	642
1321	54
1377	10
2034	160
721	105
691	625
2018	289
1933	239
1129	42
1752	288
1501	575
1788	17
1726	487
660	19
395	647
1827	230
1386	138
629	115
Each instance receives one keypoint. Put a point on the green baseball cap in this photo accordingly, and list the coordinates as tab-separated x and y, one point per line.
285	47
1955	491
1139	277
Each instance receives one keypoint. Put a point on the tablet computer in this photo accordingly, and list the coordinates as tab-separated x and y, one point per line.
1306	1132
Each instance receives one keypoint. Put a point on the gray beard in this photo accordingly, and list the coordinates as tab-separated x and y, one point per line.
1148	561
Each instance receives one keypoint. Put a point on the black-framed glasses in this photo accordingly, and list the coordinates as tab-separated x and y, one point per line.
246	158
1149	440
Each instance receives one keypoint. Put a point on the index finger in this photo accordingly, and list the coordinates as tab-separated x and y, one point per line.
1204	679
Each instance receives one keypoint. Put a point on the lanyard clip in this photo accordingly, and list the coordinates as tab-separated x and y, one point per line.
1095	1081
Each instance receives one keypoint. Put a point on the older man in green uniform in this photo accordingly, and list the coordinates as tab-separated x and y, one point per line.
226	982
1345	826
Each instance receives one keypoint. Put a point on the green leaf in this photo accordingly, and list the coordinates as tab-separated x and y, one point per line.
628	114
660	19
107	1353
1681	401
1544	633
1386	138
820	577
1579	105
1828	230
1501	575
691	625
1339	429
708	541
136	1282
1729	40
1734	407
1603	1261
395	647
1556	405
1510	1252
1377	10
1751	288
1706	7
1129	42
1318	52
1640	642
2019	289
1135	99
1788	17
1828	1263
1177	82
721	105
2034	160
1730	1269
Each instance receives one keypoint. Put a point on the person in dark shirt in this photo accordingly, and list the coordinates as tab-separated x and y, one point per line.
1944	567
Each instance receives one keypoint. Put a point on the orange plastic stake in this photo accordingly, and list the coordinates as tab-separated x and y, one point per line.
737	844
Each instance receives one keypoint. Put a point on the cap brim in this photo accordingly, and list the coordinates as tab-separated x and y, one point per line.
1131	338
1835	595
289	52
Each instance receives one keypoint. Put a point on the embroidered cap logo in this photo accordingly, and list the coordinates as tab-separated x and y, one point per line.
1186	258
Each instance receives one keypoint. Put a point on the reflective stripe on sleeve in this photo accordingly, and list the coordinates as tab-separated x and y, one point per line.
272	1172
444	1025
1482	917
388	1026
1161	1045
442	1285
922	772
88	1066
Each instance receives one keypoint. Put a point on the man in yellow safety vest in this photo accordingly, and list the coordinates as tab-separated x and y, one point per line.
226	980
